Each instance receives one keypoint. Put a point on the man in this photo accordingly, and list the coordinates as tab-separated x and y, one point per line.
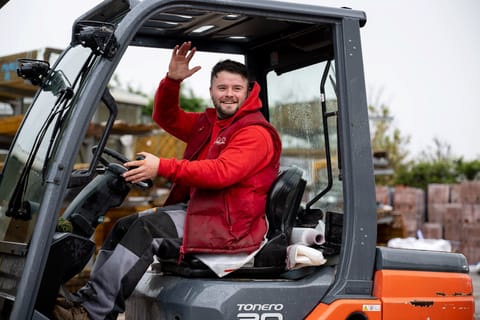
230	162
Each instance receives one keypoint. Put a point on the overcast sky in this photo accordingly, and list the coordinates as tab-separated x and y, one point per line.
421	58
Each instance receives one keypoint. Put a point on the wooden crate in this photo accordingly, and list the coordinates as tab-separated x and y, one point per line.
9	125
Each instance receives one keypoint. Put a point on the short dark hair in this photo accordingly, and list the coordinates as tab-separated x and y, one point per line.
230	66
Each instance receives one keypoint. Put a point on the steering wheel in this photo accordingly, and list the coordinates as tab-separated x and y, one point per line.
119	167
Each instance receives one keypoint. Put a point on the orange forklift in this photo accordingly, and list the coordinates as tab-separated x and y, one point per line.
308	62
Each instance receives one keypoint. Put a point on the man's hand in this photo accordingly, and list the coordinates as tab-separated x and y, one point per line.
178	68
146	168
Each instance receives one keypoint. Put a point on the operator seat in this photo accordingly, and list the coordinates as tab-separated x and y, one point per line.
283	205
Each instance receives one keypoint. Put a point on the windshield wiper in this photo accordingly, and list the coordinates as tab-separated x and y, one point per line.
62	112
58	84
18	208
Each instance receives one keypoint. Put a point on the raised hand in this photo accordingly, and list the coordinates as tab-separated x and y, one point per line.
179	69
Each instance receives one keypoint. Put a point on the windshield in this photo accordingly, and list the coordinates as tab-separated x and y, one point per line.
296	112
34	141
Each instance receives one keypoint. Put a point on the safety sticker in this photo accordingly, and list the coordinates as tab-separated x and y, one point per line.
371	307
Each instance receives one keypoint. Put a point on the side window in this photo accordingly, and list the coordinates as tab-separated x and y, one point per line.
295	106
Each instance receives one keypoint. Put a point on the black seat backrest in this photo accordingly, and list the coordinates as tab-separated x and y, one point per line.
283	206
284	202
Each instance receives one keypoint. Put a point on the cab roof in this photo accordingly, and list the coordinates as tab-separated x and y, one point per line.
260	27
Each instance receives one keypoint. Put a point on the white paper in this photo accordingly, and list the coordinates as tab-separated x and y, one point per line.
223	264
299	256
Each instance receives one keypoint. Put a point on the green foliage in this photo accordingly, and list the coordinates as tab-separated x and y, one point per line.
387	139
438	165
468	170
435	165
420	174
188	102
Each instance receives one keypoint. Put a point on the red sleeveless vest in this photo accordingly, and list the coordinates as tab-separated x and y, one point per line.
230	220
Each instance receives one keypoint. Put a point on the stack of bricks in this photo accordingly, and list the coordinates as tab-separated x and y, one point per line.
467	194
408	209
457	209
452	212
410	204
384	195
438	202
390	223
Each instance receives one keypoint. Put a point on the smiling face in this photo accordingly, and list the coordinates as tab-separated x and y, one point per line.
228	92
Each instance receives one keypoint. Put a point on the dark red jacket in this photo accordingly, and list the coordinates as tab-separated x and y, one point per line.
228	186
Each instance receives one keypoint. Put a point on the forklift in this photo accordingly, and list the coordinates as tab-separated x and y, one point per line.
308	62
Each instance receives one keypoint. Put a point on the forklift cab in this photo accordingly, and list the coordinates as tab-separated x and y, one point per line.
308	62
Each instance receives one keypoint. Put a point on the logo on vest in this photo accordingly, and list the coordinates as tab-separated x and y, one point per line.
220	140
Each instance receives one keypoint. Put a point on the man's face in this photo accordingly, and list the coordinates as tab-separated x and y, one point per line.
228	92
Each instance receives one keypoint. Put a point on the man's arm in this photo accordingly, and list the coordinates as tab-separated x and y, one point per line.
167	112
249	151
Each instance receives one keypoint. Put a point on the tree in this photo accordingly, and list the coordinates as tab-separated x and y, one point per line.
437	165
421	174
188	102
387	139
441	152
468	170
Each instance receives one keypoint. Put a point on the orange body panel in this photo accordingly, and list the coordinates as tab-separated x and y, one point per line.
341	309
424	295
408	295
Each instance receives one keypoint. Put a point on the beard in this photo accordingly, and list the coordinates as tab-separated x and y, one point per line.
226	110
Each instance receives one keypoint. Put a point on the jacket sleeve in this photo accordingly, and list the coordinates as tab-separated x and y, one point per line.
167	112
249	150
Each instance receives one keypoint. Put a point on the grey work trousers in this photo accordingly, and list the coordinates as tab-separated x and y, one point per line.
126	254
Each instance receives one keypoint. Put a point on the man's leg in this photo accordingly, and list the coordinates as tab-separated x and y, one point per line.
125	256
